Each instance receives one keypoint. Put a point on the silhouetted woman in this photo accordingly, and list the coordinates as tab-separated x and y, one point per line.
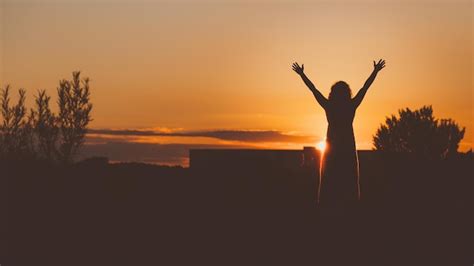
339	176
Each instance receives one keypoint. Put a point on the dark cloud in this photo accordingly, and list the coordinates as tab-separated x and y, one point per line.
122	147
231	135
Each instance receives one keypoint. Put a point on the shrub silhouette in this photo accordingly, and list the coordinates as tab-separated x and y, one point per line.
420	133
15	131
74	114
43	134
44	126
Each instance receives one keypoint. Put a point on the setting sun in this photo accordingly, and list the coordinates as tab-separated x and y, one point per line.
321	146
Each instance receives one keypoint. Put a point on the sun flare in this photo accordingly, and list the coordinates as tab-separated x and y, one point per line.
321	146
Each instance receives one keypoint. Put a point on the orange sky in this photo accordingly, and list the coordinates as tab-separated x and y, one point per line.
201	65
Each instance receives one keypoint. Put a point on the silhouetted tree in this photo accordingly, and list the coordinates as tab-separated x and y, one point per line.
419	132
74	114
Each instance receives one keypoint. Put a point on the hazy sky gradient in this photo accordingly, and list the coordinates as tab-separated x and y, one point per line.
199	65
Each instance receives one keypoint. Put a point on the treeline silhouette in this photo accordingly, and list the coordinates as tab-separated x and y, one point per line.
414	208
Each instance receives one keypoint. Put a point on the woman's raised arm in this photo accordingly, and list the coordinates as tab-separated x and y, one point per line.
361	94
317	94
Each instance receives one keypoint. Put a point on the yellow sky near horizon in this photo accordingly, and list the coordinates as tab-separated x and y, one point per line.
226	64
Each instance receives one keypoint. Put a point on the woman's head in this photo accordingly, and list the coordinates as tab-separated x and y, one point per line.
340	91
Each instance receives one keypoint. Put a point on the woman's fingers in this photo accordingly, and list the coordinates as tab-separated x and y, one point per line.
380	64
296	67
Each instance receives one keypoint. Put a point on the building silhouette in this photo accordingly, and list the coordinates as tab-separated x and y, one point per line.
234	159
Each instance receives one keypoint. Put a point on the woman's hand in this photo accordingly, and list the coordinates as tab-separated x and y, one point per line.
298	69
378	66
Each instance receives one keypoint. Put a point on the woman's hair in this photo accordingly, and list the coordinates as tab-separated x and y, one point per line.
340	91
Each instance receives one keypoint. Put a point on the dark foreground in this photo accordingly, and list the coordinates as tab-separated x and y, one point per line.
412	211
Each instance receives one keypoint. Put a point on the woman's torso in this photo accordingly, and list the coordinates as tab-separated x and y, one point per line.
340	133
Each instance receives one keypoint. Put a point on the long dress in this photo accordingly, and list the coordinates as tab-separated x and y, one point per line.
339	176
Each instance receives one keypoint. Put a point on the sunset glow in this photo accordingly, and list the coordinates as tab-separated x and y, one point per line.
226	65
321	146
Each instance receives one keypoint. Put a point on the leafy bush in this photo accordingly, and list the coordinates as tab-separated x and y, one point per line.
74	114
15	129
44	124
420	133
43	134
